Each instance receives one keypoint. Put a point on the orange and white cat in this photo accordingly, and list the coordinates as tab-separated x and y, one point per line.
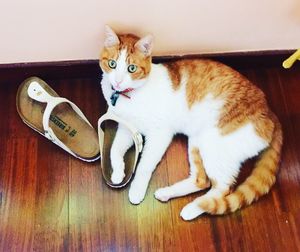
225	117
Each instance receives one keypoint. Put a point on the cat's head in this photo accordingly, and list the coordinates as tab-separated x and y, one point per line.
126	59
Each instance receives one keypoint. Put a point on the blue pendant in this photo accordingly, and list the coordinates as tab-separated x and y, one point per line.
114	97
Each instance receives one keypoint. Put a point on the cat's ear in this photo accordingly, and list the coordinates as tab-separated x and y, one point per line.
111	38
145	45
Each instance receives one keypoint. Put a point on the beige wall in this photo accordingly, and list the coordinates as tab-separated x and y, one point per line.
50	30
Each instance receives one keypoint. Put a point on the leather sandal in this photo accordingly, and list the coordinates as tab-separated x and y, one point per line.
57	119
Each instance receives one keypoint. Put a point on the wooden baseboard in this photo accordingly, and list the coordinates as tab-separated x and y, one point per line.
90	68
50	70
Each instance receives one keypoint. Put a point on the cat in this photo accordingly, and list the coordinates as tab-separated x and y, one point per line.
225	117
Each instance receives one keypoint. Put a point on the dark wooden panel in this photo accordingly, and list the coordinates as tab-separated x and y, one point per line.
49	70
90	68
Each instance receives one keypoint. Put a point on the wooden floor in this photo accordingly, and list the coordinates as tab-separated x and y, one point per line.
50	201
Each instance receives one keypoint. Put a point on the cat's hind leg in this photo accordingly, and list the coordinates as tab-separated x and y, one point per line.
221	167
193	209
197	180
222	157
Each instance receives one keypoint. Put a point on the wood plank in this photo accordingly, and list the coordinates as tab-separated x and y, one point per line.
85	206
51	221
153	217
18	190
185	233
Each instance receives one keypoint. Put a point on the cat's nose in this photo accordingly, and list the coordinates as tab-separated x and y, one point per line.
118	83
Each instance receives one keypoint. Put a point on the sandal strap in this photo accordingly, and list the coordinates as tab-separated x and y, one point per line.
37	92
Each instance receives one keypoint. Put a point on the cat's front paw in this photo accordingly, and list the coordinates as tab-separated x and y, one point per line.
117	176
137	193
191	211
163	194
118	167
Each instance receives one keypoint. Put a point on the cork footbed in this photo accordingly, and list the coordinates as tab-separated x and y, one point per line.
110	128
67	125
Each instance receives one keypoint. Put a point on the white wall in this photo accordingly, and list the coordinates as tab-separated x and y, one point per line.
51	30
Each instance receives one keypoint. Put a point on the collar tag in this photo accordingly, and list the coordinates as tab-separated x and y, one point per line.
114	97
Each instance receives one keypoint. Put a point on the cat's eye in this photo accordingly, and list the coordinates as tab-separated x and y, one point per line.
132	68
112	64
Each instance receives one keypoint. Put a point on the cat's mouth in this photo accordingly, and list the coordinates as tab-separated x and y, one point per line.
119	89
114	88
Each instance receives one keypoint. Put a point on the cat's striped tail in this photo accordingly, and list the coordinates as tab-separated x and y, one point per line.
257	184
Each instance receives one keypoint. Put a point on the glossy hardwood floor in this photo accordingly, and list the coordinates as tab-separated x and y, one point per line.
50	201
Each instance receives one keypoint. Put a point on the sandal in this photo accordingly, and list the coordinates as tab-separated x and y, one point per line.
57	119
107	126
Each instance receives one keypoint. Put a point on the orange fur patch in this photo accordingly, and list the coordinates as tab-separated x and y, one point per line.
174	73
202	179
243	101
217	205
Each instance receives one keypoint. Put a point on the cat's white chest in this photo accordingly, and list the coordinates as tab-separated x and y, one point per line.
146	107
